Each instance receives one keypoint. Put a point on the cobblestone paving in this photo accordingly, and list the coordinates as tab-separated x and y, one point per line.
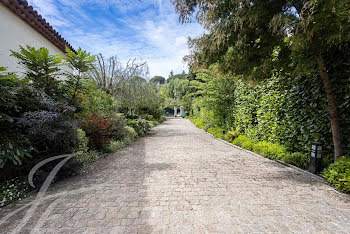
178	179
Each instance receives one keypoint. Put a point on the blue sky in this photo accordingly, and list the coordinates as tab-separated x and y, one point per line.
143	29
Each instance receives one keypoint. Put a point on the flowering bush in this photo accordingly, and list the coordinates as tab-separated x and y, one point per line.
11	190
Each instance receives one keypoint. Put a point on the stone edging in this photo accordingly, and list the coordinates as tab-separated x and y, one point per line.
317	177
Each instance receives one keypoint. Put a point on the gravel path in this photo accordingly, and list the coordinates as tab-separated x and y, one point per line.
178	179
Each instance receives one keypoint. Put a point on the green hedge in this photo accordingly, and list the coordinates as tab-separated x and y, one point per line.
264	148
273	151
287	110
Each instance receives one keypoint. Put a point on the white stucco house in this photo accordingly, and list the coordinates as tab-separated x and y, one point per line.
21	25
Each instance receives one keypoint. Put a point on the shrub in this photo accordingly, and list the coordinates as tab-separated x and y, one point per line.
148	117
217	132
244	142
14	149
198	122
130	133
76	79
80	142
270	150
297	159
338	174
96	128
11	190
267	149
136	126
117	129
113	146
50	129
231	134
41	68
248	144
149	124
240	140
161	119
16	97
144	124
208	126
96	100
140	125
85	159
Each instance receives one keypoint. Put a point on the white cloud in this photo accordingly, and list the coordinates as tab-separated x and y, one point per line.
48	9
146	29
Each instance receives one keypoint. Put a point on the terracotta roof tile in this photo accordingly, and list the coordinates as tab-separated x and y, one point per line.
27	13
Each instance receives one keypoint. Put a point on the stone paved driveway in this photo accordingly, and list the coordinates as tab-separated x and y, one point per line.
178	179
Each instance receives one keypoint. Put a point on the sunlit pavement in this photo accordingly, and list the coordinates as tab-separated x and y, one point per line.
178	179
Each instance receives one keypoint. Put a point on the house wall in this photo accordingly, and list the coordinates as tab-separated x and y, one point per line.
15	32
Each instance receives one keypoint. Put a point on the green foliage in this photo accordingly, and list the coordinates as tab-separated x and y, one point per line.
148	117
273	151
114	146
13	189
117	129
289	111
97	100
198	122
217	132
177	88
161	119
80	61
297	159
249	38
80	142
141	126
158	80
43	116
338	174
135	125
41	68
16	97
130	134
284	40
97	128
231	135
264	148
85	159
77	79
241	140
15	149
136	98
181	76
218	91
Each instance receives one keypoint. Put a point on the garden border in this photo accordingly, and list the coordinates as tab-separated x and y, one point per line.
317	177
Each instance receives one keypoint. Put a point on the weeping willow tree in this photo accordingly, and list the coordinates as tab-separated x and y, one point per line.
133	94
136	96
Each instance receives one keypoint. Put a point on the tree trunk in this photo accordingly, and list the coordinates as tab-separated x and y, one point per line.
332	108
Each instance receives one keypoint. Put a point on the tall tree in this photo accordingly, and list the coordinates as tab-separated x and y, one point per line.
108	73
257	37
158	80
